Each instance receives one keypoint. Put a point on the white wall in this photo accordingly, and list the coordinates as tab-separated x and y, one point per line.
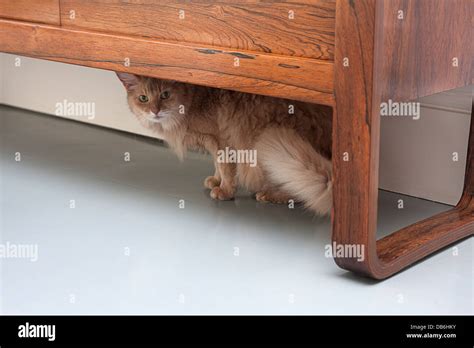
39	84
416	156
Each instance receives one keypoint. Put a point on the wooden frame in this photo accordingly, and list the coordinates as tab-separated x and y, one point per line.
41	11
280	76
370	77
379	53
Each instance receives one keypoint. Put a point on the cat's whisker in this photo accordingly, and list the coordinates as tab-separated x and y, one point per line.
165	114
152	119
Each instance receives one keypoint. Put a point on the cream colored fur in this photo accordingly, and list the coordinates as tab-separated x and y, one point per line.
295	166
292	139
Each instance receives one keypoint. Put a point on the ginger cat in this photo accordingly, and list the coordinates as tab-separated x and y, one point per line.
291	140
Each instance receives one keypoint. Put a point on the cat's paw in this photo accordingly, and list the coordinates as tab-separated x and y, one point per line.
221	195
268	197
211	181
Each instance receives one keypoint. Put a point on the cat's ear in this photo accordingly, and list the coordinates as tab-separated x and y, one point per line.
130	81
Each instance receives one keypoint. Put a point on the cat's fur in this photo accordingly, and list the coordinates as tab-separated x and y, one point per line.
293	150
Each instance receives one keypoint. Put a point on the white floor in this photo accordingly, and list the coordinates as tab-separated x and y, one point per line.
127	246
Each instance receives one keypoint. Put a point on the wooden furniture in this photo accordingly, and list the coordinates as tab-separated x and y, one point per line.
349	54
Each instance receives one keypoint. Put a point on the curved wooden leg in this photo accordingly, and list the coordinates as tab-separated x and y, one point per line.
402	248
393	253
356	131
354	213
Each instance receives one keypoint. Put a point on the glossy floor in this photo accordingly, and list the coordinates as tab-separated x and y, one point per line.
112	236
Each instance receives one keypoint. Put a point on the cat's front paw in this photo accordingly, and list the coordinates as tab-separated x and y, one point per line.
211	181
219	194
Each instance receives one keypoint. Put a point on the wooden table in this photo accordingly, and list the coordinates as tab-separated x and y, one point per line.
349	54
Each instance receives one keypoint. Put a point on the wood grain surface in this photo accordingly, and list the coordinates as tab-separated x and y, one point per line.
303	28
360	86
281	76
42	11
355	157
427	42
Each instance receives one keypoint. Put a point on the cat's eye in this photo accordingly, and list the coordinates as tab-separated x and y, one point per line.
143	98
164	95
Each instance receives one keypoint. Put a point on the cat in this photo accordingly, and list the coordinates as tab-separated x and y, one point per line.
291	140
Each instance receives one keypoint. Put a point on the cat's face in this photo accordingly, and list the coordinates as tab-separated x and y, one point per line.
156	102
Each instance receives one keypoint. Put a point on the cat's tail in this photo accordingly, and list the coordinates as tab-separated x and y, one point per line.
297	168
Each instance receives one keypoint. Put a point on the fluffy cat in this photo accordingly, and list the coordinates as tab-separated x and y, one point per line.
292	140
